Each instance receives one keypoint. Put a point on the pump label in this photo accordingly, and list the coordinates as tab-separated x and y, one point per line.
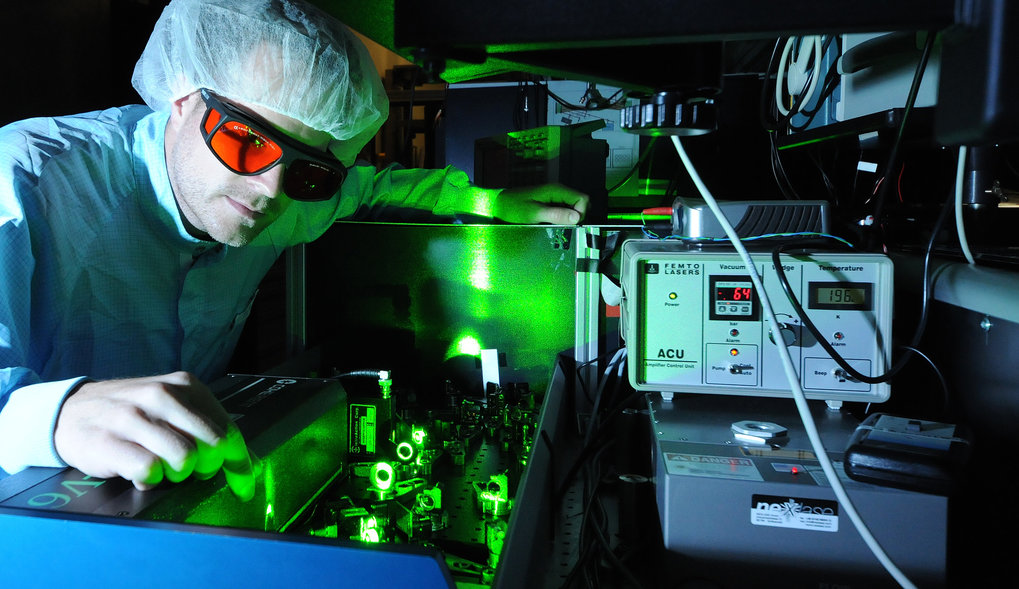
363	426
818	515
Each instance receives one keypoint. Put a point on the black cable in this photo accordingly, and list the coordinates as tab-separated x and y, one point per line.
601	391
636	166
946	395
585	552
831	81
921	325
772	124
592	446
778	171
611	555
893	154
562	101
554	508
582	365
827	89
828	184
767	102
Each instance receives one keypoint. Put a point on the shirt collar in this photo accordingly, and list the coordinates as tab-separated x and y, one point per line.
156	194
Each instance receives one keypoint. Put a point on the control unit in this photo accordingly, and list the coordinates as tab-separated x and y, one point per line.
693	321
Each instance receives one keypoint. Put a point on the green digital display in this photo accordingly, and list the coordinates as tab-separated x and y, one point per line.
841	296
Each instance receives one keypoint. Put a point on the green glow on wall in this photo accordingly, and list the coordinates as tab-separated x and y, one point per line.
464	345
269	479
479	275
483	203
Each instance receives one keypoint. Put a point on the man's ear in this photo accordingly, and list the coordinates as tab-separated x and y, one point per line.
182	107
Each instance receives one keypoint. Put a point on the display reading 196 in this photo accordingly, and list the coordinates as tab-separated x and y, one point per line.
841	296
733	297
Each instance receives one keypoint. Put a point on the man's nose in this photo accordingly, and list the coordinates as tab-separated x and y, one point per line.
271	181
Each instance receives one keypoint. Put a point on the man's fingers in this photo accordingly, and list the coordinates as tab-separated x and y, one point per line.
178	474
208	461
148	429
158	437
133	462
184	402
547	203
200	397
237	467
152	479
558	216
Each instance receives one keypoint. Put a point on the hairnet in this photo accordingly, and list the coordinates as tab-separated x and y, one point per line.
284	55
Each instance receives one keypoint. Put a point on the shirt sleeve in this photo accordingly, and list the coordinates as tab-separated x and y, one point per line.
393	194
28	406
396	193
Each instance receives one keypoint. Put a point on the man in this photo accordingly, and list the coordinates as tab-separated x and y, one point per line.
132	240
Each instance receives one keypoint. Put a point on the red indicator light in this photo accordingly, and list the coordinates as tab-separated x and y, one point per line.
794	470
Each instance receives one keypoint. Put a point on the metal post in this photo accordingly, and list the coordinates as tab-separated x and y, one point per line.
588	292
296	311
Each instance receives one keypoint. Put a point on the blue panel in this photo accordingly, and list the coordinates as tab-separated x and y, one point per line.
45	549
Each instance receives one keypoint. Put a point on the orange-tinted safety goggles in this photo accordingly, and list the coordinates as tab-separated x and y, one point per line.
248	148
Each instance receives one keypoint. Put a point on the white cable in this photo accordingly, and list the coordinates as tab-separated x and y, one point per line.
790	84
794	381
621	352
817	73
779	98
960	176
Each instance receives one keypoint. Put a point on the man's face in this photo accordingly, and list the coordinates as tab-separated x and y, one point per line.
228	207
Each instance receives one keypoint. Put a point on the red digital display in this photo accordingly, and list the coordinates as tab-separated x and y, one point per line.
739	293
733	298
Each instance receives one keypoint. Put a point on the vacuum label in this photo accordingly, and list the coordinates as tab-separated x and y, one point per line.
819	515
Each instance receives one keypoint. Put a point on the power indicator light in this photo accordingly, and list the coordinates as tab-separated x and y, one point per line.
673	296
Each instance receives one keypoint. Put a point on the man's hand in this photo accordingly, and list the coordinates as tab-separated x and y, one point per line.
148	429
548	203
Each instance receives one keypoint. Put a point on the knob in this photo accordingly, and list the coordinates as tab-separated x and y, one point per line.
787	332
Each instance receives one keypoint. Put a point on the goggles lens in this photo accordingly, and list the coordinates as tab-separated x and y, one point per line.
243	147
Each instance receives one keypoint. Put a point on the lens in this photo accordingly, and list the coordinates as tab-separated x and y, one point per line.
246	150
308	180
240	147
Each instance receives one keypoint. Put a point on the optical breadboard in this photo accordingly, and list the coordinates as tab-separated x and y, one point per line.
693	322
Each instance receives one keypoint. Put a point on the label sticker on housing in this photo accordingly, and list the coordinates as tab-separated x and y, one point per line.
779	511
362	429
719	467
